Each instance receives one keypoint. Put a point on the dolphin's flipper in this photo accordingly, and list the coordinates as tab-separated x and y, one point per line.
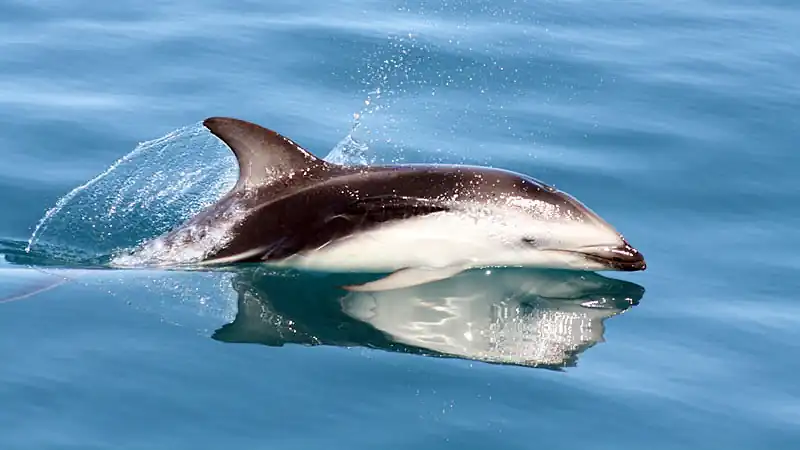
403	278
264	156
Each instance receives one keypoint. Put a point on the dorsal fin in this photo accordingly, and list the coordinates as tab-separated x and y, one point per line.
263	155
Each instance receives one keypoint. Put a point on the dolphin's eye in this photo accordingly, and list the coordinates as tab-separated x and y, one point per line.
530	241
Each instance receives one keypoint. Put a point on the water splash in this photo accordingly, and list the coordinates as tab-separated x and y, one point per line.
145	193
350	150
388	75
194	243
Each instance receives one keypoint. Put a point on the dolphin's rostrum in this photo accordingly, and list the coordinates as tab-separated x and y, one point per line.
419	223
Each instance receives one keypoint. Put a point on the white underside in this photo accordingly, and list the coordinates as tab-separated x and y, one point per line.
457	239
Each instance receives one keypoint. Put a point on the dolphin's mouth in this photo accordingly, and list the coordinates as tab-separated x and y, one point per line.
623	258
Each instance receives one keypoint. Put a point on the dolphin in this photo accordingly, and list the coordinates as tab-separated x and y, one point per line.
416	223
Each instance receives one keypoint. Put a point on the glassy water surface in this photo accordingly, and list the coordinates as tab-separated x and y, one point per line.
677	122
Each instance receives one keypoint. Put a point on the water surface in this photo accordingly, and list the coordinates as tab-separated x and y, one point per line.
676	122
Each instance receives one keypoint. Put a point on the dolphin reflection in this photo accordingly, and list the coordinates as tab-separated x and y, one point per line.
529	317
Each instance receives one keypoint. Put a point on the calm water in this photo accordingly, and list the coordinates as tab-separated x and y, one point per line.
676	121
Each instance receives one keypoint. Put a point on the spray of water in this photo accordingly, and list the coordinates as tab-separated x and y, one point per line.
387	76
136	198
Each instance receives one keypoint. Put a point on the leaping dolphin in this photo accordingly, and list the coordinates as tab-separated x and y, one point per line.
419	223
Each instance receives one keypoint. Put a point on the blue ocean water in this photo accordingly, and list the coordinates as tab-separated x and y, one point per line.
676	121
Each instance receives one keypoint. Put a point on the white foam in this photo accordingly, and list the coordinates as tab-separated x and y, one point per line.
190	244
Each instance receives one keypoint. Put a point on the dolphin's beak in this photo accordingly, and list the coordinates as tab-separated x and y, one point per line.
623	257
